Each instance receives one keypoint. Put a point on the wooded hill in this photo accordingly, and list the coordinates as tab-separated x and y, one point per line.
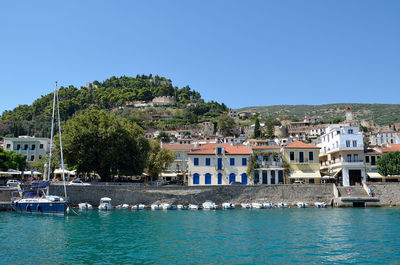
381	114
111	94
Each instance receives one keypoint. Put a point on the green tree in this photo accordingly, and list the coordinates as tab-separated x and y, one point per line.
159	159
257	129
11	160
389	164
164	137
96	141
270	129
225	125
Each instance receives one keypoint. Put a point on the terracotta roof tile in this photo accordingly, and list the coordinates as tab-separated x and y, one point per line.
186	147
301	145
391	148
266	147
209	149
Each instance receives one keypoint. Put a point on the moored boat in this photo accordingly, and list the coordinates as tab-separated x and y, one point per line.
105	204
320	205
268	205
282	205
256	205
209	205
246	205
228	205
156	207
193	207
85	206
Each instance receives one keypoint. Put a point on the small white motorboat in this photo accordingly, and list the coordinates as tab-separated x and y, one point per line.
320	205
85	206
181	207
302	205
105	204
268	205
134	207
228	205
122	206
166	206
155	207
256	205
141	207
209	205
246	205
282	205
193	207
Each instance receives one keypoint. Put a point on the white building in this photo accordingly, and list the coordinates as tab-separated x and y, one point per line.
384	137
218	164
342	154
31	147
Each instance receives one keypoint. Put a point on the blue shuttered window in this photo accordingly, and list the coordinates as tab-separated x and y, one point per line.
244	161
232	178
196	161
208	161
196	178
219	178
244	178
232	161
208	178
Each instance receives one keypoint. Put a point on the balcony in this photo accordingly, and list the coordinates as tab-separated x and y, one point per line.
342	162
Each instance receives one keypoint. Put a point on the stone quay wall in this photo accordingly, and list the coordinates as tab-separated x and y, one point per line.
386	191
130	194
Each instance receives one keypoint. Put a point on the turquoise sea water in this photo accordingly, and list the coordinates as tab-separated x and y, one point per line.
277	236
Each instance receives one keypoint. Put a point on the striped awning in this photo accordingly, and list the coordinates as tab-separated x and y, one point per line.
375	175
297	174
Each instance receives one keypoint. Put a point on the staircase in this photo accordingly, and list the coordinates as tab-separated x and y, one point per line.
354	196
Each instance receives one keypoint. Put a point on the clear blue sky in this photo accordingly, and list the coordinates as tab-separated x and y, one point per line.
242	53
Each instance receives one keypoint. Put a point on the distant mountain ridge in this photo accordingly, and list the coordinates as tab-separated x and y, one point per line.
381	114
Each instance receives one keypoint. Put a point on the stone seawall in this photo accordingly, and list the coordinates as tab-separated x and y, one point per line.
386	192
184	195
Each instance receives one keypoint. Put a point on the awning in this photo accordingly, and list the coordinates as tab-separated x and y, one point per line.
297	174
60	171
169	175
375	175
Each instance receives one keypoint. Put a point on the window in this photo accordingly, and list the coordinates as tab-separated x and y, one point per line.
196	161
8	146
244	161
178	155
337	132
272	176
376	140
367	159
356	158
208	179
232	161
301	157
280	177
348	158
18	146
196	178
350	131
32	157
219	150
373	160
291	154
310	156
33	147
219	178
25	147
41	146
40	156
347	143
311	181
354	143
208	161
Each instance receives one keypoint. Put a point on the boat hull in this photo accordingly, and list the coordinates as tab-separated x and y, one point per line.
57	208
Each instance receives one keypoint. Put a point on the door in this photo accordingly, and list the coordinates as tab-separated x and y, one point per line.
232	178
208	178
244	178
272	176
301	157
219	163
196	178
280	177
355	177
264	177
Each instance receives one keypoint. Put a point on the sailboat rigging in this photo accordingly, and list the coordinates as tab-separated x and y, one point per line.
37	198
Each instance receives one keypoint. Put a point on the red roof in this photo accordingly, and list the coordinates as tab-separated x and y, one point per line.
391	148
386	131
301	145
258	147
176	147
209	149
297	132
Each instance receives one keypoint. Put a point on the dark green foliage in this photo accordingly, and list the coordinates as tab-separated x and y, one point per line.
111	94
381	114
226	125
389	164
257	129
95	141
11	160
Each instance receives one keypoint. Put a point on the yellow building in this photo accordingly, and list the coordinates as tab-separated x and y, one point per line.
303	160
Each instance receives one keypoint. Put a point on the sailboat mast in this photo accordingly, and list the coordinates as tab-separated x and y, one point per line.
61	148
52	132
